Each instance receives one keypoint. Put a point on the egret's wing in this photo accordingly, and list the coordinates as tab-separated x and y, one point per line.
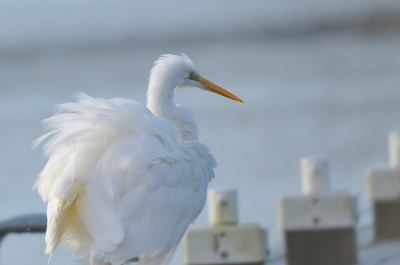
143	196
77	137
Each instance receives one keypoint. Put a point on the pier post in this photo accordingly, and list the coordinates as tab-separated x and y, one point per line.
224	242
318	226
383	189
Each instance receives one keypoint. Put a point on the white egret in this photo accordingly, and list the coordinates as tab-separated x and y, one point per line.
123	180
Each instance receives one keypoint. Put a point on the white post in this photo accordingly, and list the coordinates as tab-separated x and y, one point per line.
318	226
383	189
224	241
222	207
315	175
394	149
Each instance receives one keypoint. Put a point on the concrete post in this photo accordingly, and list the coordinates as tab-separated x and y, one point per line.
383	189
224	242
318	227
222	207
394	149
315	175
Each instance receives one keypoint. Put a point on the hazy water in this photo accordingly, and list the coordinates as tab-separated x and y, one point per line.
332	94
26	24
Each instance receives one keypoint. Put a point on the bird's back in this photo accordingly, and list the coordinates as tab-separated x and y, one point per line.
117	183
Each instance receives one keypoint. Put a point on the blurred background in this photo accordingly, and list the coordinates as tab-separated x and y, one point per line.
317	77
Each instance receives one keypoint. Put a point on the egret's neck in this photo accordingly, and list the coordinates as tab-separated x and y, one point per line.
160	102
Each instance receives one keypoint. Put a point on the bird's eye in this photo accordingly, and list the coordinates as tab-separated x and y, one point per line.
191	74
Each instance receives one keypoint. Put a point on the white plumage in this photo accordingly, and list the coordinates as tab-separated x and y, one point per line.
123	180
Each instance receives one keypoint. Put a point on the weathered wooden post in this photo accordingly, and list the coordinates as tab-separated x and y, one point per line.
224	242
318	227
383	189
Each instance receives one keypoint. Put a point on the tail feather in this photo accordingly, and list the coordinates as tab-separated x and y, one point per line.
58	225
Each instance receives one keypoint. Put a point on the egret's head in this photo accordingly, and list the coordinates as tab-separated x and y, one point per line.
181	71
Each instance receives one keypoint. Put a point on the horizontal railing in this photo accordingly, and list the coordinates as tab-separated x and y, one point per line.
34	223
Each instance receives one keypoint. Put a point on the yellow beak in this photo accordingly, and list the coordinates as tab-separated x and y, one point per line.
210	86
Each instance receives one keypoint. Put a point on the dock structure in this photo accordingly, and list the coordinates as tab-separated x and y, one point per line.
370	252
318	226
224	241
383	190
